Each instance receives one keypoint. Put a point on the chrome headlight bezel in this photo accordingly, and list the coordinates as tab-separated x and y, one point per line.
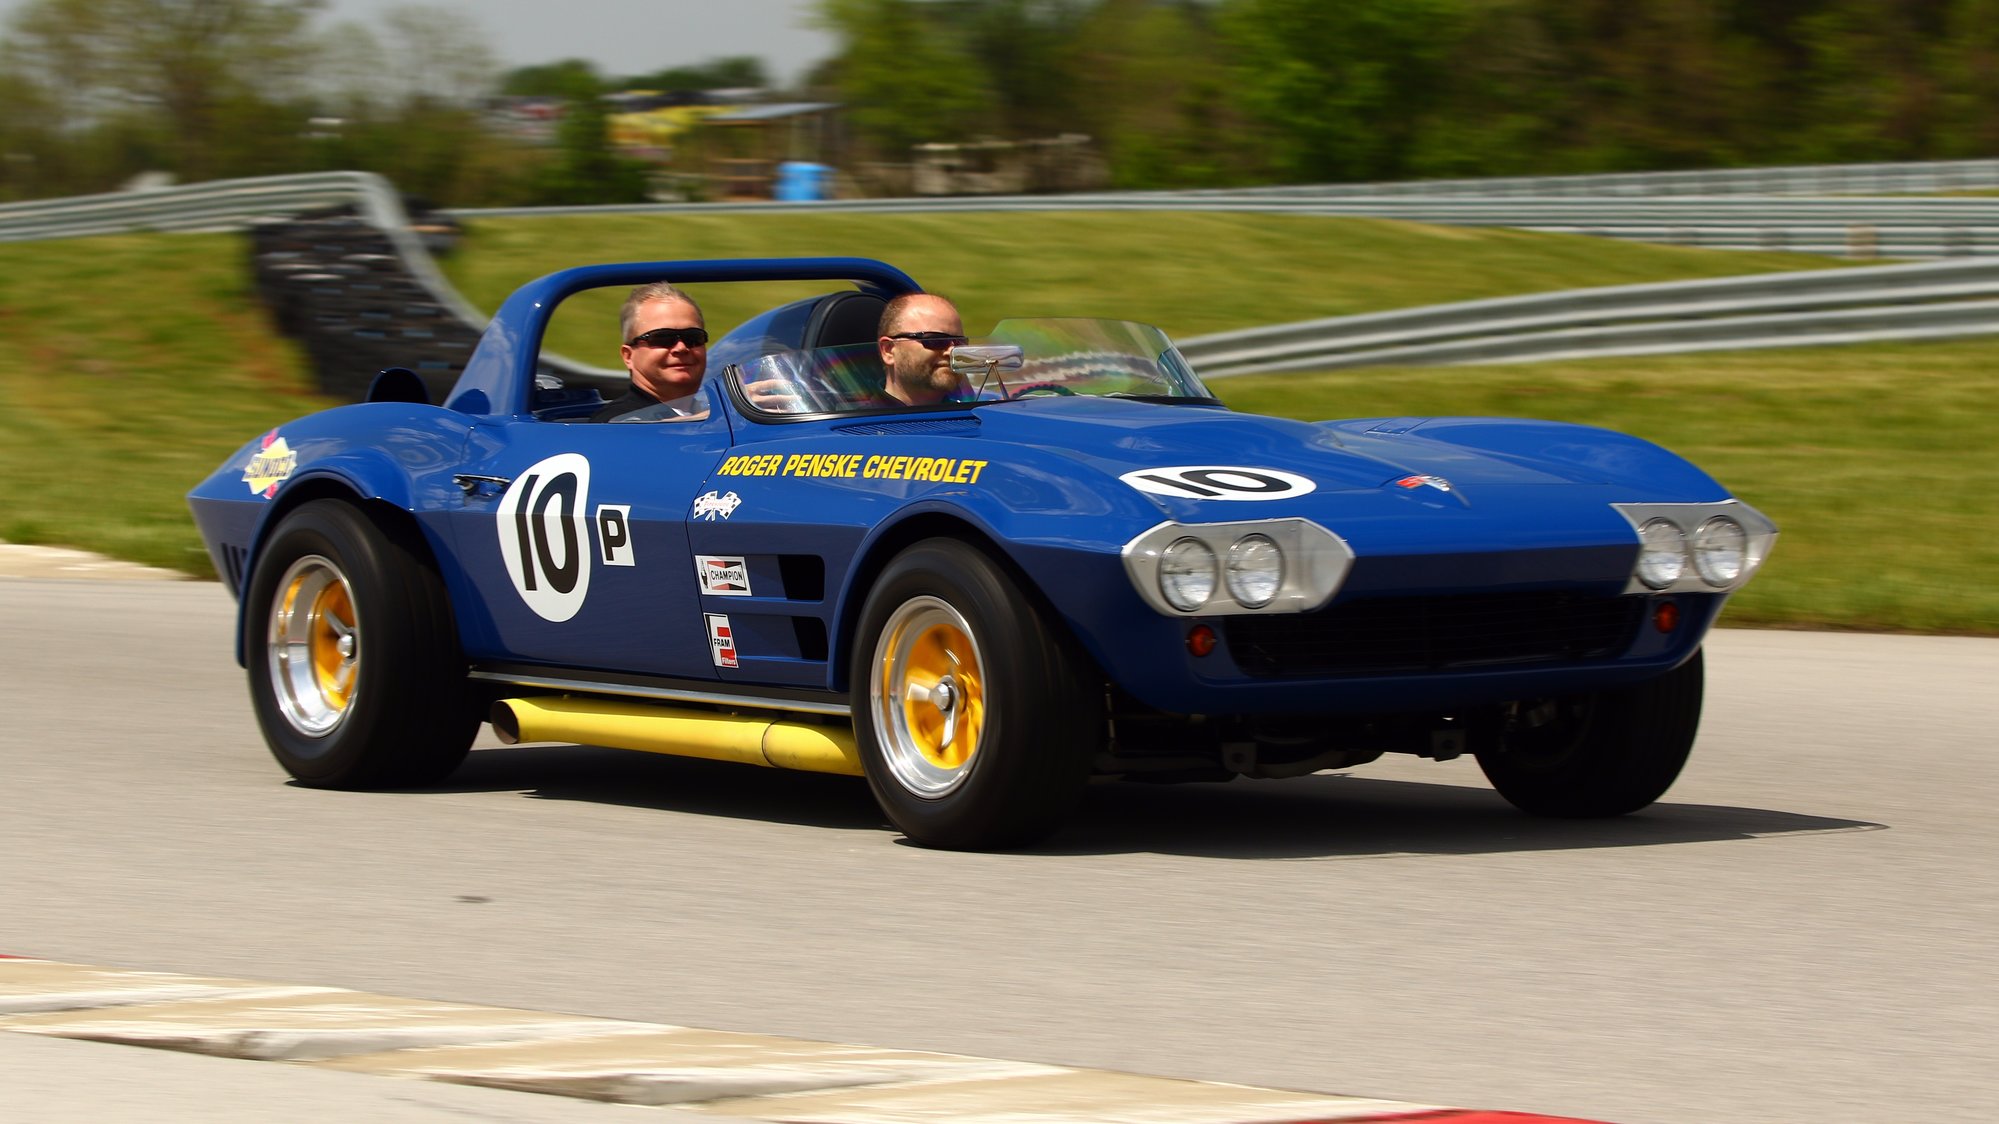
1692	521
1312	562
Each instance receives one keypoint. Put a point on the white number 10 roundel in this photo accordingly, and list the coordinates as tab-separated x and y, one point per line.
545	535
1219	482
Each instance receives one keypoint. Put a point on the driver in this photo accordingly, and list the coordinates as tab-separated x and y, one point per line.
917	333
666	353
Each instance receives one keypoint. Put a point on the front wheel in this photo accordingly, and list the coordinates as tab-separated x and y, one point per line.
976	719
355	672
1599	755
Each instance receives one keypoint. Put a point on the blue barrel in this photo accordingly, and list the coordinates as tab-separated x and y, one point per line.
801	180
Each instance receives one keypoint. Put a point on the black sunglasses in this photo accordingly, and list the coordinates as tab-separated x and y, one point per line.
667	337
935	341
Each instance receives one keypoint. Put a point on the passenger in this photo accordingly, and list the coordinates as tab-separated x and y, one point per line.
917	333
666	353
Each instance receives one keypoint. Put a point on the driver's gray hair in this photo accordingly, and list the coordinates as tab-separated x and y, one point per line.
653	291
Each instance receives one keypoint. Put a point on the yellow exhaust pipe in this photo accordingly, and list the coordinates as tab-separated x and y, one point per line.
678	732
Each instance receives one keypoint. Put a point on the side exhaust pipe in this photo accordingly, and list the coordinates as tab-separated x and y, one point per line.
678	732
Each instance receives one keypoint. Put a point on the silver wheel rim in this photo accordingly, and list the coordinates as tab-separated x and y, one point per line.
927	692
314	646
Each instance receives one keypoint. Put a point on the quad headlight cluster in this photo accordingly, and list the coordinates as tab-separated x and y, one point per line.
1696	547
1216	569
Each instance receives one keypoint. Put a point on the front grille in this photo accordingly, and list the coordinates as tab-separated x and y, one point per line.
1390	635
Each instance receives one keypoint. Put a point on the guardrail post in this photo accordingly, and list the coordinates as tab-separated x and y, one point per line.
1860	241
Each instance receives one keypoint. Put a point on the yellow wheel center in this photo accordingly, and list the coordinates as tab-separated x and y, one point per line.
944	697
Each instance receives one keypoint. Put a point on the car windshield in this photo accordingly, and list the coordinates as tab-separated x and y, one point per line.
1020	358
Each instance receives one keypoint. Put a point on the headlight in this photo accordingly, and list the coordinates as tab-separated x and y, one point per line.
1721	547
1187	574
1255	571
1260	566
1662	553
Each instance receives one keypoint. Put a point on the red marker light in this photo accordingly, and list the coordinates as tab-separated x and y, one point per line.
1200	640
1665	616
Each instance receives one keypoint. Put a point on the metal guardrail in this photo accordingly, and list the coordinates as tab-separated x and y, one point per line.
216	205
1834	306
1928	177
1903	302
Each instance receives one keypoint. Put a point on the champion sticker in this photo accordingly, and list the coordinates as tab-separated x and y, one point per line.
712	506
721	640
1437	482
544	530
271	466
1219	482
723	577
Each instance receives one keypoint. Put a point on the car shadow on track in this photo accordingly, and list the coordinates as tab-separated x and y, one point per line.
1349	816
1328	816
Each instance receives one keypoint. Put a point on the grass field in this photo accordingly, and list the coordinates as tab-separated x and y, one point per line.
131	365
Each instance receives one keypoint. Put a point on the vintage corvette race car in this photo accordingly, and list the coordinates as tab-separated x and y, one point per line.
1087	567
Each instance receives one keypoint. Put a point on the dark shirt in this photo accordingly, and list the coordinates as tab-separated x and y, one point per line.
635	400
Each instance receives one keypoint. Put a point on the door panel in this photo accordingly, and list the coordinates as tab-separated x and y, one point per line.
575	542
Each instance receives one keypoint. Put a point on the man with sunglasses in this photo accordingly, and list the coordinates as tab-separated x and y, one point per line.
917	333
666	353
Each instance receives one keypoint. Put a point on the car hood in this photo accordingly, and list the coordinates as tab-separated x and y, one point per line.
1118	437
1390	486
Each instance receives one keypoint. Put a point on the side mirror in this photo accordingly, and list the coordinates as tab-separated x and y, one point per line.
984	359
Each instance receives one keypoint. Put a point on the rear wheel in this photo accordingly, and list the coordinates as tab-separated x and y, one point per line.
1599	755
977	721
355	671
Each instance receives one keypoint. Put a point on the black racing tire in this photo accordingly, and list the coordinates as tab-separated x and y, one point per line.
355	671
1605	754
977	720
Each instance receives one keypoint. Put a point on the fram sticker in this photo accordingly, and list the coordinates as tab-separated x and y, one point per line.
1219	482
545	535
711	505
724	576
270	466
721	640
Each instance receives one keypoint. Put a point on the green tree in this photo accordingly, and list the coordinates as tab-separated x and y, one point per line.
732	73
586	169
1967	63
906	74
1146	80
200	65
568	78
1875	91
1338	87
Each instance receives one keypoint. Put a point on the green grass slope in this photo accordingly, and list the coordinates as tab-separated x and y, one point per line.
131	365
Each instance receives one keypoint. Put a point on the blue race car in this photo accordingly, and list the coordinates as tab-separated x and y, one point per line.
1085	565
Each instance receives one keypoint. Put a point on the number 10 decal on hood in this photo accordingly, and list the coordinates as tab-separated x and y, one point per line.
1219	482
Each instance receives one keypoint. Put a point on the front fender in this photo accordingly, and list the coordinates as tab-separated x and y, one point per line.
399	455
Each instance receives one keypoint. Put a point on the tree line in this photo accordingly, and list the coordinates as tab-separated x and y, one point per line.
1185	93
1175	93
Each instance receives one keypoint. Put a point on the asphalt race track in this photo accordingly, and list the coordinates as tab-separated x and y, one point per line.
1802	932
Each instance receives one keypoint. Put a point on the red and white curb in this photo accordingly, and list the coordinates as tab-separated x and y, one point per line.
743	1076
